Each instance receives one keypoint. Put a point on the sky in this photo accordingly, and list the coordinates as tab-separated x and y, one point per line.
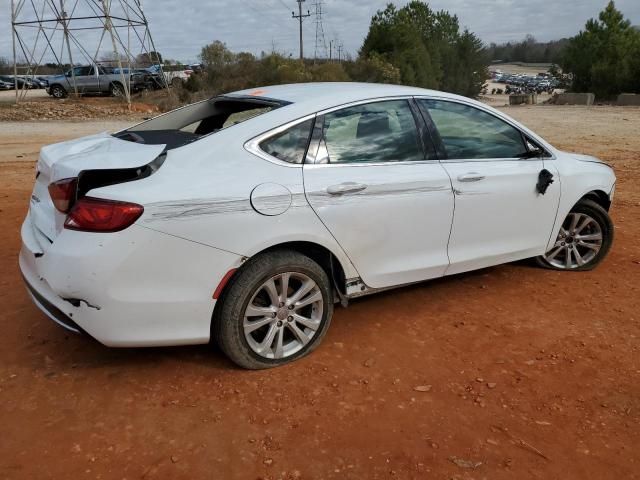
181	27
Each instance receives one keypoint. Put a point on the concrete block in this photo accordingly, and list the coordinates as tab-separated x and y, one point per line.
523	99
575	99
629	100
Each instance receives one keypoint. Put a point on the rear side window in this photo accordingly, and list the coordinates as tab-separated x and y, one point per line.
374	132
470	133
290	145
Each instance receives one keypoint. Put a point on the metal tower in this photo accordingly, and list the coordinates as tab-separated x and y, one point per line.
68	32
321	41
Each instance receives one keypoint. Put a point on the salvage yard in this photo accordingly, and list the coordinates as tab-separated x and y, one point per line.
508	372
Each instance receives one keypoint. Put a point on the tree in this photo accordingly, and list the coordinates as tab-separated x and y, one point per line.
605	57
150	58
216	55
427	48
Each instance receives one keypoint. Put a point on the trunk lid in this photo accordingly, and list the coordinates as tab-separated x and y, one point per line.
67	160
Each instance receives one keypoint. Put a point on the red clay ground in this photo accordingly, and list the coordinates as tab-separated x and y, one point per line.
530	373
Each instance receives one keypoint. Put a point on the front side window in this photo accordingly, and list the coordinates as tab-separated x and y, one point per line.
82	71
470	133
290	145
375	132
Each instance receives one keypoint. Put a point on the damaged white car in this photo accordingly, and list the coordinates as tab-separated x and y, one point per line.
244	218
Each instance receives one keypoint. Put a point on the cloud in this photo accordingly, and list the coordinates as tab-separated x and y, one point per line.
181	28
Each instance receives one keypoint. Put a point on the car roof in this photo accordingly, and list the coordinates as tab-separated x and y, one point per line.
319	96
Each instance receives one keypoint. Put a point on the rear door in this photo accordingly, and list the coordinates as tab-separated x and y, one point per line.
380	191
499	214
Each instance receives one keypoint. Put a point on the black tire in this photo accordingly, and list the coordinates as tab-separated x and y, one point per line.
57	91
600	215
116	89
227	323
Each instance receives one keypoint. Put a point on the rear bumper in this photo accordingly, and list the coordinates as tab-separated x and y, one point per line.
132	288
50	310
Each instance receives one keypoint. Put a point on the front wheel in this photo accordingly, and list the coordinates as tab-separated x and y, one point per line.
585	238
276	310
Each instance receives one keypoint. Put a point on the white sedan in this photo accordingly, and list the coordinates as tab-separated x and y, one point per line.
244	218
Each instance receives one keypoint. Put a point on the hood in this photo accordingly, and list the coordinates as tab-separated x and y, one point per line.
95	152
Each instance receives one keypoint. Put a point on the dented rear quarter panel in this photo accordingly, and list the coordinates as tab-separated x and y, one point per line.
202	193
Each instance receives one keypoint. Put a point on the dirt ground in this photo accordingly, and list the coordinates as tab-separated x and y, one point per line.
509	372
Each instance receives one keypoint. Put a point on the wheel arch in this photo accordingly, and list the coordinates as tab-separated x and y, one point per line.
598	196
323	256
595	194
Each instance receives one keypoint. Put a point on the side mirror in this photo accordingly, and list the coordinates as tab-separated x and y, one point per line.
68	74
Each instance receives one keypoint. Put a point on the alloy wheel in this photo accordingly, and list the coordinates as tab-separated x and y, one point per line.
283	315
578	243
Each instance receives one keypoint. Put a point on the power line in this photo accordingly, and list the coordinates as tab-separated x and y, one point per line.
284	4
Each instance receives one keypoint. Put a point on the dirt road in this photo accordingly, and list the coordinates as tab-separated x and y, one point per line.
509	372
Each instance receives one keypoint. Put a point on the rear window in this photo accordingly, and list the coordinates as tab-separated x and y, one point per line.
190	123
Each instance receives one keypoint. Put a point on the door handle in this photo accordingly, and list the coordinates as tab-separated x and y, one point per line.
470	177
347	187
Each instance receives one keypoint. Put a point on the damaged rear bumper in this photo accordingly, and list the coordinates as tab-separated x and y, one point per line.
50	310
133	288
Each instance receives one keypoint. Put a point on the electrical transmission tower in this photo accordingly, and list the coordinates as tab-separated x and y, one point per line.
321	41
68	32
300	17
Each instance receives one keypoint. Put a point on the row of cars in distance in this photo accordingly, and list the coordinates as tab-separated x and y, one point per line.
540	83
8	82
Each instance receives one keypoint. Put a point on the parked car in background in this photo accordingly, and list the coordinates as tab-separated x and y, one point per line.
174	75
6	85
93	79
39	82
23	82
244	218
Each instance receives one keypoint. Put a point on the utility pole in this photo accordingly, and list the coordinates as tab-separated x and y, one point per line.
300	17
340	47
330	49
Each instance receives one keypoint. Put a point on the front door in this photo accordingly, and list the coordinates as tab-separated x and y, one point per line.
85	79
499	214
387	202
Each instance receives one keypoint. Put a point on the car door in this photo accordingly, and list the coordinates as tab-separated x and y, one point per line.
379	189
500	216
83	78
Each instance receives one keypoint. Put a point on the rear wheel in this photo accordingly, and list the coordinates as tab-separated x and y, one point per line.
116	89
584	239
276	310
57	91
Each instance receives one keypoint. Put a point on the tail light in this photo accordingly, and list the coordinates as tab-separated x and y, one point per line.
62	193
91	214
